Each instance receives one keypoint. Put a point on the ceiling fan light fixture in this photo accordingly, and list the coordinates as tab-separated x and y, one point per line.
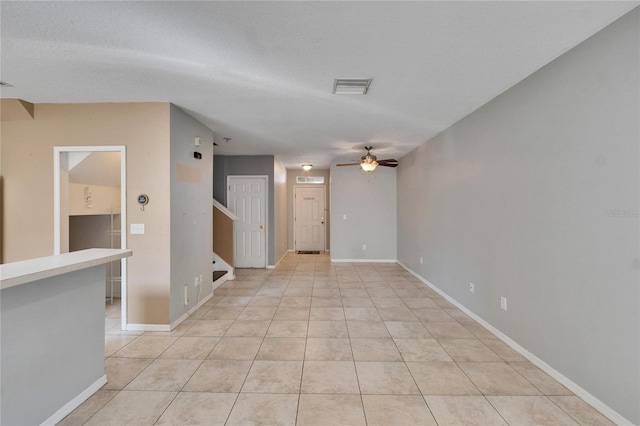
369	166
351	86
307	167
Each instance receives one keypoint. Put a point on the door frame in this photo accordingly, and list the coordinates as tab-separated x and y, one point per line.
57	152
324	195
266	210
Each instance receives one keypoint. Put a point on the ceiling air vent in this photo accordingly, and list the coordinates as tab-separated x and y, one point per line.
351	86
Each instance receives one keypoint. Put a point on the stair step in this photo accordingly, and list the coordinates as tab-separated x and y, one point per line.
218	274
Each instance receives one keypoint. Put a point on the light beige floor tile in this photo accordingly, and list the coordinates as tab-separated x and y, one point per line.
582	412
165	375
209	328
545	383
353	292
325	410
375	350
407	330
199	313
326	314
443	303
422	350
397	314
421	302
146	347
121	371
460	316
257	313
264	409
335	377
328	349
198	409
362	314
432	315
448	330
248	329
295	302
242	292
497	378
328	329
176	332
288	329
380	291
115	342
88	408
326	302
389	303
236	348
219	376
469	350
477	330
132	408
223	313
282	349
463	410
298	291
270	292
228	301
292	314
274	377
385	378
367	329
503	350
357	302
398	410
530	410
265	301
325	292
441	378
190	348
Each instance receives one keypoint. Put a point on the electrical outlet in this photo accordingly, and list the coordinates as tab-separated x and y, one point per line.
364	247
472	287
421	260
503	303
186	294
197	281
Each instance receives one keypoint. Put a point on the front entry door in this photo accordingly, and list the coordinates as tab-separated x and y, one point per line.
247	199
309	218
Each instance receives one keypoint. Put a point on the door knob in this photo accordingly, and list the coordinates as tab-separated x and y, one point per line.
261	226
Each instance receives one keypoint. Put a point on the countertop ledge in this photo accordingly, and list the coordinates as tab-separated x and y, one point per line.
17	273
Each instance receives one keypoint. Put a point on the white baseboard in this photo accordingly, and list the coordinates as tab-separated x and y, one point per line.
270	267
607	411
364	260
75	402
148	327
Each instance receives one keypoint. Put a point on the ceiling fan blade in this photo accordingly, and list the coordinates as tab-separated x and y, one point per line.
348	164
388	164
390	160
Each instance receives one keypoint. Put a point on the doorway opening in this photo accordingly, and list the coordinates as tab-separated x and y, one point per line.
90	208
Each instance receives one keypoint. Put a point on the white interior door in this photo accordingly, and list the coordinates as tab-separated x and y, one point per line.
309	218
247	199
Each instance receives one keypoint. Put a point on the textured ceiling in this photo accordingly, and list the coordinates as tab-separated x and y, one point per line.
261	73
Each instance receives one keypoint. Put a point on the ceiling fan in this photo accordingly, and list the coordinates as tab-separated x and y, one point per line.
369	162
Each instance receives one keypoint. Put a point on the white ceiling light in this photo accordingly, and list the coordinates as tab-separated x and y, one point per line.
346	86
307	167
369	165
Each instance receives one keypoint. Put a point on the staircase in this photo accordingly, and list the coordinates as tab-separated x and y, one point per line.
223	225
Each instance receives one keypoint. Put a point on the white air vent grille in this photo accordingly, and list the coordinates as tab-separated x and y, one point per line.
346	86
309	179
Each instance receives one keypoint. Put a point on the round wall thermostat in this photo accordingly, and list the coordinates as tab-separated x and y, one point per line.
143	199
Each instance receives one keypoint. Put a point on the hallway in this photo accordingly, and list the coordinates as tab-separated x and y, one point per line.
313	342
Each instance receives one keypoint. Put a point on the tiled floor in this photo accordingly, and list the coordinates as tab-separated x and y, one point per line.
317	343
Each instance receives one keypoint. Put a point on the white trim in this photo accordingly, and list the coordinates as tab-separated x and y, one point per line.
190	312
122	149
364	260
561	378
148	327
75	402
224	210
266	211
324	213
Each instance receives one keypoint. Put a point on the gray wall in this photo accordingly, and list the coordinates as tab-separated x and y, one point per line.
249	165
369	201
52	343
291	184
517	198
191	212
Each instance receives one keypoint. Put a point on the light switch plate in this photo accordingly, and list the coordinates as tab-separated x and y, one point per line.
137	228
